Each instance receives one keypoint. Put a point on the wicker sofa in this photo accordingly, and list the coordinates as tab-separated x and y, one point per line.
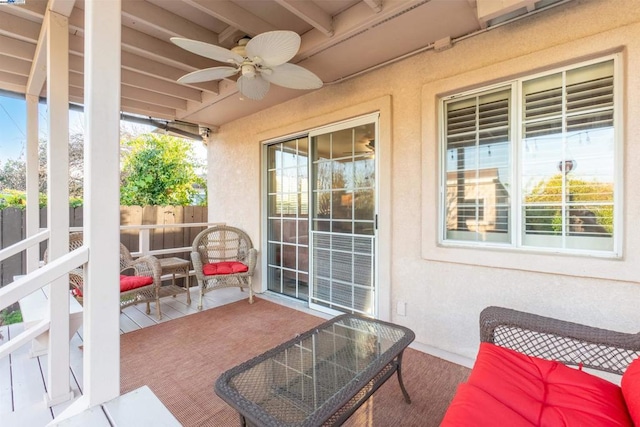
521	376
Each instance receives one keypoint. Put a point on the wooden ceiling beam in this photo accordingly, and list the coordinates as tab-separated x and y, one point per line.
19	28
233	15
311	13
77	95
144	65
14	65
352	21
166	22
142	81
38	73
135	79
136	93
62	7
13	80
17	48
143	45
32	10
166	72
375	5
163	52
155	98
230	36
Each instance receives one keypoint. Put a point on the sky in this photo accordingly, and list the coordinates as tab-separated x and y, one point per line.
13	125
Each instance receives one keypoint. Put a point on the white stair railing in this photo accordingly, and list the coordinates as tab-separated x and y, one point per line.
18	289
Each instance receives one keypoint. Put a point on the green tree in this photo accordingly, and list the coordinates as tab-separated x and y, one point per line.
159	170
548	194
13	173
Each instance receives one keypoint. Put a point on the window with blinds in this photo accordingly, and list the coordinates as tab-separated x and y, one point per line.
553	135
478	158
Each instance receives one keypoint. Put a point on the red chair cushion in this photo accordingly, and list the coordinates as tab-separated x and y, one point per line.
225	267
631	390
509	388
128	283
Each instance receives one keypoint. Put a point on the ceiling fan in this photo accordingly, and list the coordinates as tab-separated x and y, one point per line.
261	60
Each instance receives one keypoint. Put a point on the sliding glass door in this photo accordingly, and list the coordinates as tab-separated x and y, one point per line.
322	217
288	218
343	218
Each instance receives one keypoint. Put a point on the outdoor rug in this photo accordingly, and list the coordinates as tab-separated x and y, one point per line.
181	359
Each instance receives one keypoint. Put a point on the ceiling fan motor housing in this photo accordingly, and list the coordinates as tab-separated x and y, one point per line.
249	71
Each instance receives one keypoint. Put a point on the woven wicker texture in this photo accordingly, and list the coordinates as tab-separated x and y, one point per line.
307	380
221	244
553	339
143	266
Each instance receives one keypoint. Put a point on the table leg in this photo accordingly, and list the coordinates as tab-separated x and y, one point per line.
187	285
404	391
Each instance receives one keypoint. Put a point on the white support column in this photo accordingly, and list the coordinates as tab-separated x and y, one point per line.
102	200
58	203
33	165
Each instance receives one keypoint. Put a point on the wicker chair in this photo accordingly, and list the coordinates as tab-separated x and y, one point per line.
223	257
146	266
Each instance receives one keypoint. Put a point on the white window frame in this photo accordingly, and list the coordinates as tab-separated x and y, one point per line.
516	130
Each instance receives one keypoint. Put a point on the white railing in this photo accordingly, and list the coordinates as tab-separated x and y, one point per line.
41	277
23	245
25	285
144	238
18	289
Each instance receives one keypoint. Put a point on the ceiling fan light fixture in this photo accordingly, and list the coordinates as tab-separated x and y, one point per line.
261	60
249	71
240	50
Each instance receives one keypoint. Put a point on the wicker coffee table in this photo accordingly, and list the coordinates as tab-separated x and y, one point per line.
318	378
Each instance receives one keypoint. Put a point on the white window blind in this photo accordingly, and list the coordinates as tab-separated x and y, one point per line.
560	149
477	171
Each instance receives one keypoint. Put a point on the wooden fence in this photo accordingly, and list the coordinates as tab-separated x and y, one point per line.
13	229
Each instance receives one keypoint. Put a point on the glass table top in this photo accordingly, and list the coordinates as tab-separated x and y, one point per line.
312	372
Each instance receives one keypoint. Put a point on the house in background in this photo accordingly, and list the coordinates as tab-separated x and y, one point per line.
415	93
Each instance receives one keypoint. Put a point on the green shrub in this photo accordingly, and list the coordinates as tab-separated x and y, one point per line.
10	317
18	199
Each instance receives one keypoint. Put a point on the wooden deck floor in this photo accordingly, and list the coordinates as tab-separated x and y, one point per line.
23	379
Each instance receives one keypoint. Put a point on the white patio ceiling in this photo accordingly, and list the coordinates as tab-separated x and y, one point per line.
340	38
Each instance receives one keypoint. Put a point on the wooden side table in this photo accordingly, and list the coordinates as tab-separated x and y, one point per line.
177	267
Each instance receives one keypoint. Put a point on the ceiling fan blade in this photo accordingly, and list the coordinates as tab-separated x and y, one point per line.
273	47
253	88
292	76
207	50
214	73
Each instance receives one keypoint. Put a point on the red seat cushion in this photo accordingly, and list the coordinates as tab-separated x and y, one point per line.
128	283
509	388
631	390
225	267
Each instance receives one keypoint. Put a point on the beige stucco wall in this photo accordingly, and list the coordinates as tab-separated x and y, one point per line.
445	288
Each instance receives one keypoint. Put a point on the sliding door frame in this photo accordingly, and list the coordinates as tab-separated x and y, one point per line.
303	127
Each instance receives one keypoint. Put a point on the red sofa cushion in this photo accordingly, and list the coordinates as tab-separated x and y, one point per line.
631	390
127	283
225	267
509	388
